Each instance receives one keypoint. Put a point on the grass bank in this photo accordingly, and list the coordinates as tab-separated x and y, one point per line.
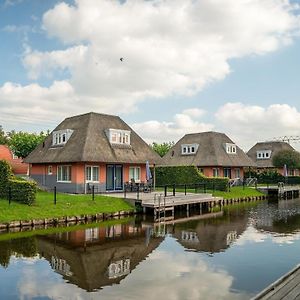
238	192
62	228
67	205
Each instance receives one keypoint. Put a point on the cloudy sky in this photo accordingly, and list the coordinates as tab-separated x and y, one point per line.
189	66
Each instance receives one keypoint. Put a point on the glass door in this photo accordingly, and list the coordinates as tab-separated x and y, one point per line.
114	177
118	177
110	178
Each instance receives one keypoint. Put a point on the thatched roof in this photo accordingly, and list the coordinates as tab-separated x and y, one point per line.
89	266
274	146
211	152
89	143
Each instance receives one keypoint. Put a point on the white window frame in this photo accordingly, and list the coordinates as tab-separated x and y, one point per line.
61	137
189	149
118	136
50	170
70	174
134	172
92	174
237	170
216	172
230	148
263	154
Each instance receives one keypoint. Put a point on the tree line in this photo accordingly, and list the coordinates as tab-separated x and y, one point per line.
21	143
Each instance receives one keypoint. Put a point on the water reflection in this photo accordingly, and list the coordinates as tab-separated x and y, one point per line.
230	256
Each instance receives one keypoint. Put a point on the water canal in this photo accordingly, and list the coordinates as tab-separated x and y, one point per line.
231	256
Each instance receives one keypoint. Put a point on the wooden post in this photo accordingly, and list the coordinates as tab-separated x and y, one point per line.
138	192
55	195
185	189
166	187
154	178
174	190
9	195
93	192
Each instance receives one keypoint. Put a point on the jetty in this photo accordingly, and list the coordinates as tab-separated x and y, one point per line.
286	287
281	190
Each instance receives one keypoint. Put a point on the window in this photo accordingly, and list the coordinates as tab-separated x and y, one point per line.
237	173
118	136
91	234
227	172
215	172
64	173
188	149
230	148
49	170
92	174
60	137
135	174
263	154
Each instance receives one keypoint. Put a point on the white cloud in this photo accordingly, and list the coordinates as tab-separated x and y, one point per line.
182	123
248	124
169	47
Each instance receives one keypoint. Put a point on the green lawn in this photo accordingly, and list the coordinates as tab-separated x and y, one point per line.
67	205
238	192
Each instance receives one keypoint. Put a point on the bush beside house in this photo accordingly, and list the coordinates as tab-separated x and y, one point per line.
19	190
189	175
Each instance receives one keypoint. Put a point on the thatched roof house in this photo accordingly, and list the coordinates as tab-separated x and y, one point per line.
89	141
212	152
91	149
262	153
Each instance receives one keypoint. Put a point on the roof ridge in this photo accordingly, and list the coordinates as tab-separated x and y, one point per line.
90	113
86	135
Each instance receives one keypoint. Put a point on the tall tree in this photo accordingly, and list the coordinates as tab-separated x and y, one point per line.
290	158
162	148
22	143
3	137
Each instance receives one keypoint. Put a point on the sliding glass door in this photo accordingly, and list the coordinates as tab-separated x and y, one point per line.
114	177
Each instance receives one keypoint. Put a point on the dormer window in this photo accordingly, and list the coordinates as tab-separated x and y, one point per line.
263	154
230	148
60	137
189	149
118	136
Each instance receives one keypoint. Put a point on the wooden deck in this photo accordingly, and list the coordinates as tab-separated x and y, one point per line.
286	287
284	191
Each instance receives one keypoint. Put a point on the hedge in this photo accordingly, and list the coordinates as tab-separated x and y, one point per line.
23	191
17	190
189	175
5	175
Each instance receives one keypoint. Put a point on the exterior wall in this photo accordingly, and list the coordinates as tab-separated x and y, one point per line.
39	172
17	165
293	172
209	171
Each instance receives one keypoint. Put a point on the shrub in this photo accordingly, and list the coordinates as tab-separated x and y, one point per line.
5	175
23	191
188	175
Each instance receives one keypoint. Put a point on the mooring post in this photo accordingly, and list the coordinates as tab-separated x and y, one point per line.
125	190
166	190
138	192
174	189
93	192
54	195
185	189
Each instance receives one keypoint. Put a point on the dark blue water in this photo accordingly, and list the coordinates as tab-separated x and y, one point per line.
232	256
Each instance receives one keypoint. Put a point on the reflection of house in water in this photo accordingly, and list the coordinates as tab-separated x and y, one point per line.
96	257
211	235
